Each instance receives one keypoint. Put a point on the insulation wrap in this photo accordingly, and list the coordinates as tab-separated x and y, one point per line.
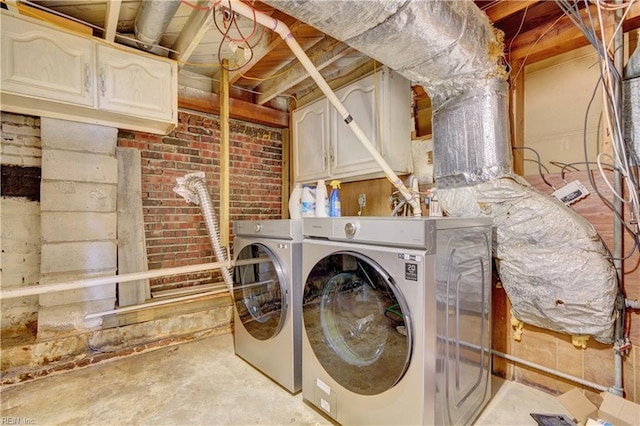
471	136
445	46
551	261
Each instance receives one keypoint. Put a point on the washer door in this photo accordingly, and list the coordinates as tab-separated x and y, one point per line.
259	291
357	323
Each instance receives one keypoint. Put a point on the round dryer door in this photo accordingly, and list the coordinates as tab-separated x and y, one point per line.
357	323
259	291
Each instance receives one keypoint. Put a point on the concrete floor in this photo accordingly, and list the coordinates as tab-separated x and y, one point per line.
202	383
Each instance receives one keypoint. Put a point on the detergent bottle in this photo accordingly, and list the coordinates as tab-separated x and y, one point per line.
335	208
322	200
295	202
308	202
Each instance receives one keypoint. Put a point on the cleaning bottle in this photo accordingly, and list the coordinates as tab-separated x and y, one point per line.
335	208
322	200
295	202
308	200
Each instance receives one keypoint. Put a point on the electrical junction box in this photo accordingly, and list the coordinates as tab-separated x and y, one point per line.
571	192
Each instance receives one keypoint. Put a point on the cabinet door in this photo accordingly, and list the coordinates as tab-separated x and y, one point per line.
310	133
45	63
350	157
133	84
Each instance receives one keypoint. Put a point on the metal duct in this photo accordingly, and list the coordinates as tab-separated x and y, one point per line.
152	20
553	267
631	102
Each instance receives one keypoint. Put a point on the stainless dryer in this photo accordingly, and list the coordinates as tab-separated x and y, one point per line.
396	319
267	296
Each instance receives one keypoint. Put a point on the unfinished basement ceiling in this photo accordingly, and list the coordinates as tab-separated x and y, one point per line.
269	74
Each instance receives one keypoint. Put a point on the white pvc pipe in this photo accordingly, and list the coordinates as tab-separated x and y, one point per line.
112	279
283	31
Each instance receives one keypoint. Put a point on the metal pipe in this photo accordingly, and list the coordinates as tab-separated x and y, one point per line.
193	188
152	20
618	262
152	304
566	376
112	279
283	31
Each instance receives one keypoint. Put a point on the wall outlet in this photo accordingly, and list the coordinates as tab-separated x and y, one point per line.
362	200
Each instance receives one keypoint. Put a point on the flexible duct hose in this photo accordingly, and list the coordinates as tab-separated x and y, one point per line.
193	189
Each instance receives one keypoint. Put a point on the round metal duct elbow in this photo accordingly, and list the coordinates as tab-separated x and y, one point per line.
152	20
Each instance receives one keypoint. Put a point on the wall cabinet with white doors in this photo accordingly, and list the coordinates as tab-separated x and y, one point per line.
324	147
54	73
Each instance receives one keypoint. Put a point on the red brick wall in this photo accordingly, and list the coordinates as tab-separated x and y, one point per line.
175	232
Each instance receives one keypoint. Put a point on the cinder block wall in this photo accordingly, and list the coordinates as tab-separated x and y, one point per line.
21	157
175	231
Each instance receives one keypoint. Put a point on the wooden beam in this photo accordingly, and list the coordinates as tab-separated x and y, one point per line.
562	36
286	174
516	100
224	154
111	20
328	51
198	100
193	31
274	41
506	8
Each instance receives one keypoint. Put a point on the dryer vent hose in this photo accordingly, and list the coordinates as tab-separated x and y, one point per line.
193	189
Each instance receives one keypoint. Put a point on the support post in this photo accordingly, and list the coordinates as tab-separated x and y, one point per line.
224	154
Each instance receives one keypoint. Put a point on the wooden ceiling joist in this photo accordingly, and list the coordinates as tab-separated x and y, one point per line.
111	19
198	100
199	22
328	50
504	9
561	36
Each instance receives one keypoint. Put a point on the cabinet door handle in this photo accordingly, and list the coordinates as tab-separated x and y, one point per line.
324	160
87	78
332	157
103	86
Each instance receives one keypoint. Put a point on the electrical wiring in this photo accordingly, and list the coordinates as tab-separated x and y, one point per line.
617	214
625	160
524	15
564	168
562	165
540	165
524	60
606	181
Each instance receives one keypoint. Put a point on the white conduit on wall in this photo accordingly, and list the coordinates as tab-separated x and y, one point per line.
283	31
112	279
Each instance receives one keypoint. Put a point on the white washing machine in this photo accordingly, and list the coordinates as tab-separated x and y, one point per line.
267	296
396	319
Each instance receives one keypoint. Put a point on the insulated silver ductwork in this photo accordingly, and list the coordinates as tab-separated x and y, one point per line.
631	102
552	265
193	189
152	20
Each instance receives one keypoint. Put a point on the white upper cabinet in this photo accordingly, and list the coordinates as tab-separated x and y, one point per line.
310	130
58	74
133	84
46	63
381	107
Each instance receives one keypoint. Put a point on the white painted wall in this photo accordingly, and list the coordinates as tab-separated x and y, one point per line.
557	92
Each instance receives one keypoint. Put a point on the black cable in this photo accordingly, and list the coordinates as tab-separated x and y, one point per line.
562	171
564	165
540	165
